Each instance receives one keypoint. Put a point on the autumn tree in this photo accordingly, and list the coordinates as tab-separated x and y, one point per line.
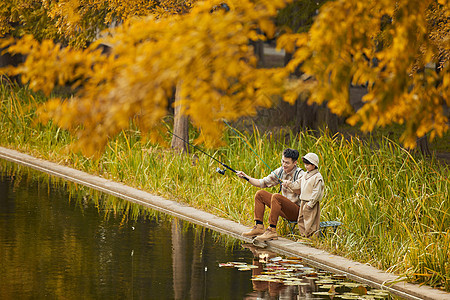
78	22
385	45
390	46
206	52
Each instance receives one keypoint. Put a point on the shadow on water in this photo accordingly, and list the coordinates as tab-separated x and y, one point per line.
63	240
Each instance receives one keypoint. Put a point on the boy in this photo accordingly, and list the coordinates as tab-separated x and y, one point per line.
311	188
285	204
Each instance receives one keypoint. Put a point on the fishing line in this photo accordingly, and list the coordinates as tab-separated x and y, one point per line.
218	170
239	135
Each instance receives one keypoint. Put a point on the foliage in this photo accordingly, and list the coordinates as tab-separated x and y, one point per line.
77	22
206	51
298	16
388	46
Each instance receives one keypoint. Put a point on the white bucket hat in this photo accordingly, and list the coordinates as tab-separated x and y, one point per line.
312	158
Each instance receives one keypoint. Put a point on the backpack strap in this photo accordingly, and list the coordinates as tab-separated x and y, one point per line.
297	172
279	177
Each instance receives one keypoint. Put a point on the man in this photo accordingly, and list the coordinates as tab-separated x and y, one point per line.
285	204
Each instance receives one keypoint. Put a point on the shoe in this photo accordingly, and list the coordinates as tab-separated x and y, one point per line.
258	229
269	234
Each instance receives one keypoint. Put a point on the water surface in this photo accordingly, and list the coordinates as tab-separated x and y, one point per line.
57	245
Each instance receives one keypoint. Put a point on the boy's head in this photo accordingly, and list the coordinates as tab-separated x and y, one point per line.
289	159
311	159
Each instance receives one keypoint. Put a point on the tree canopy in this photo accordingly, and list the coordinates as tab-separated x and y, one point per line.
206	50
399	50
78	22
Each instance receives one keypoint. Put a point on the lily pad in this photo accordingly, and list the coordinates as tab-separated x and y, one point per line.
351	284
329	286
378	292
323	294
278	258
360	290
295	258
339	276
226	265
325	281
348	297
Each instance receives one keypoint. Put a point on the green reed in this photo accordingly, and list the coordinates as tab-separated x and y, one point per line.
394	205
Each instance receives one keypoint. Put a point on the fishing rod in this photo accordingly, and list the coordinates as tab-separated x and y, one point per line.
218	170
279	179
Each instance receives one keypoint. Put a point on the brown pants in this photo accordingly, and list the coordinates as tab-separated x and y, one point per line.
279	206
308	219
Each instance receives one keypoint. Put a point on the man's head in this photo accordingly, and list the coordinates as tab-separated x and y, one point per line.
289	159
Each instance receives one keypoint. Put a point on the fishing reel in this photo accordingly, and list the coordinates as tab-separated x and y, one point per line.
220	171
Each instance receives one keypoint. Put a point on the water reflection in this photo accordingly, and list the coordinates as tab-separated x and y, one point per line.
59	241
275	277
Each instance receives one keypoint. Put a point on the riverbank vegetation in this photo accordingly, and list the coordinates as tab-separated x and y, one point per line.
394	205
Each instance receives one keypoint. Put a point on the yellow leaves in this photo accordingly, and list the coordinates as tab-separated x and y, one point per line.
268	27
207	50
289	41
77	22
385	46
205	54
67	14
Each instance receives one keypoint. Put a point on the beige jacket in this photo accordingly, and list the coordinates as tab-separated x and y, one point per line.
310	187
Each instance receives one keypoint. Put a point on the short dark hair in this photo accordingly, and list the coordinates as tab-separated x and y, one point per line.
291	153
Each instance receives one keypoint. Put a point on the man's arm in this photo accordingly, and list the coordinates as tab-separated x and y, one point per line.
253	181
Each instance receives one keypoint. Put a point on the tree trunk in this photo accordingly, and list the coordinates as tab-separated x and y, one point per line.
198	271
423	145
6	60
258	49
180	125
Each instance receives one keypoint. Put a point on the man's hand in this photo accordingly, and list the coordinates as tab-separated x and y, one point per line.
253	181
241	174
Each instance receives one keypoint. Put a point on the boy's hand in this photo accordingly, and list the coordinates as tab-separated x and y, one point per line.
286	183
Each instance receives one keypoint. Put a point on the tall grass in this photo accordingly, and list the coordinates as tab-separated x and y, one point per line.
394	206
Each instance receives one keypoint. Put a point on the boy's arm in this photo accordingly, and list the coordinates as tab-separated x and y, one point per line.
295	186
317	193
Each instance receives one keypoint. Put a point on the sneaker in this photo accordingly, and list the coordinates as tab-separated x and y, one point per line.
269	234
258	229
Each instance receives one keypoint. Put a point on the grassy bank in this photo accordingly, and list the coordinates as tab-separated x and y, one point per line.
395	207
